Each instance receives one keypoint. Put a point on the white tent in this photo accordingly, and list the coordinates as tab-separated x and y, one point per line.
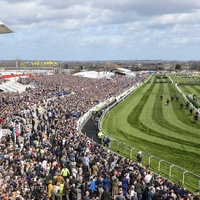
94	74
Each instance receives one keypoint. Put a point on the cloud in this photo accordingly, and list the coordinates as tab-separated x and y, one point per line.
117	27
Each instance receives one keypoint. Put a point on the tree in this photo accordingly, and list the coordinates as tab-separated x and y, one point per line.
66	66
178	67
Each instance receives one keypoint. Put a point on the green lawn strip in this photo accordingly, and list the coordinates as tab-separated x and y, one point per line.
191	89
170	116
172	154
183	115
158	150
140	126
140	118
119	113
195	89
147	123
165	111
172	129
184	80
153	132
140	143
193	131
185	89
154	123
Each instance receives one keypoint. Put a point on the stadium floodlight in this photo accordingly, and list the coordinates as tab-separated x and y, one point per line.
4	29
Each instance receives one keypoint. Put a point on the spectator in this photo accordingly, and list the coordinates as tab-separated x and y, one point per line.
106	195
139	158
86	196
120	195
49	154
139	189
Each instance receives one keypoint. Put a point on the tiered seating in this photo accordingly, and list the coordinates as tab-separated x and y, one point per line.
12	86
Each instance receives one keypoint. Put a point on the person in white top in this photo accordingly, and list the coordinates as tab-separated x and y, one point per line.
148	177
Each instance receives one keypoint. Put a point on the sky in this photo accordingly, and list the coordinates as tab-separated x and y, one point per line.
84	30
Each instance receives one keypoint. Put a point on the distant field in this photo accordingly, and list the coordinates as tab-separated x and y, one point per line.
146	122
191	89
189	84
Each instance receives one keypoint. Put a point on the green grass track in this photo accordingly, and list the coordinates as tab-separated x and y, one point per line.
145	122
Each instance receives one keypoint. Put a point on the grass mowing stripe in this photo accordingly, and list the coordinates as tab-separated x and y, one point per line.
129	102
138	139
119	113
155	129
182	158
197	88
191	89
194	90
139	119
175	107
133	117
172	119
172	132
185	89
182	116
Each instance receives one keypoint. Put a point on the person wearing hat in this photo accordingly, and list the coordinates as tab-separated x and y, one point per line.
139	158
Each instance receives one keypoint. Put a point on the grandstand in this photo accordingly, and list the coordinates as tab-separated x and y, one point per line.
13	86
4	29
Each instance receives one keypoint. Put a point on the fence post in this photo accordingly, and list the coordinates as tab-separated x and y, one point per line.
118	146
111	143
131	152
170	170
199	186
150	160
184	176
123	149
128	154
159	165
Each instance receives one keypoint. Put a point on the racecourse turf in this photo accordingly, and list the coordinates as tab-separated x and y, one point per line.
146	122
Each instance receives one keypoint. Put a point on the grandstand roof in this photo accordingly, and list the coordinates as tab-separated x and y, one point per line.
4	29
94	74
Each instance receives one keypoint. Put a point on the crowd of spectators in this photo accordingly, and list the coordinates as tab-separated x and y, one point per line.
44	157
